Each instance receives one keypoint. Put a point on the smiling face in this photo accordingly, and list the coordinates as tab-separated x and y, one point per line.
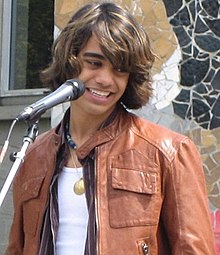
123	44
104	83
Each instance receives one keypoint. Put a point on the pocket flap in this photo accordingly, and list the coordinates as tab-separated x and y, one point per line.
32	187
134	180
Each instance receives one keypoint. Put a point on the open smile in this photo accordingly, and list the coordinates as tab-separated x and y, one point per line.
99	93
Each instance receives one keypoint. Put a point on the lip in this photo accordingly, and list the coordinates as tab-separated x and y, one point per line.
98	96
98	93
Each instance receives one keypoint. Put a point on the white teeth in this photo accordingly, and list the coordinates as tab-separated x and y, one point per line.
99	93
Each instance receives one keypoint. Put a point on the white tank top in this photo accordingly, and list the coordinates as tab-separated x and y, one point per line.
73	214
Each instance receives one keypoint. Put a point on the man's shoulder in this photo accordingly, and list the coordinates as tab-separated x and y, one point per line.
147	127
47	139
160	137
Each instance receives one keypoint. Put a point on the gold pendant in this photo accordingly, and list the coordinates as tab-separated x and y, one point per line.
79	187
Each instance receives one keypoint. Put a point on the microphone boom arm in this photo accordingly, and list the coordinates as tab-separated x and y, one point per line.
19	158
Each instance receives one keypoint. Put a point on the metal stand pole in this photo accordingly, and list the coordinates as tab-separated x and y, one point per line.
19	158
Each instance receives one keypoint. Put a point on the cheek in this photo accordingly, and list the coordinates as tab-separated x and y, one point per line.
123	83
86	74
83	75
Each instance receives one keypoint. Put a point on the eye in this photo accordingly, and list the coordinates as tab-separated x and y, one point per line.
92	63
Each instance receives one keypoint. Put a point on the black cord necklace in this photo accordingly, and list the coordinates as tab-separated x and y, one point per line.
69	138
79	186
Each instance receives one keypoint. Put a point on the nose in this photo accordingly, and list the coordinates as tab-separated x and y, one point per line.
105	76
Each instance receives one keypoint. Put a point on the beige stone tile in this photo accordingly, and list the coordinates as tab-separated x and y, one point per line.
215	201
216	157
215	174
210	163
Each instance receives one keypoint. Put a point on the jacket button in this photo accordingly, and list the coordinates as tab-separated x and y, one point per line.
56	142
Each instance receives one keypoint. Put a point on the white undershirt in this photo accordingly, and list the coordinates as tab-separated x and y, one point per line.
73	214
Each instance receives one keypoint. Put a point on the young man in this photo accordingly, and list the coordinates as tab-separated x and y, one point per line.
106	182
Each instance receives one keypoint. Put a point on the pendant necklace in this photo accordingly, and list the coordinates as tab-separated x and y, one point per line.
79	186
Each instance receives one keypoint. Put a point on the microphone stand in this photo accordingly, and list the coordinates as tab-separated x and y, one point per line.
18	157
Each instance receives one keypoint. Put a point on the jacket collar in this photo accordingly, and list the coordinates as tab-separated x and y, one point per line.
113	126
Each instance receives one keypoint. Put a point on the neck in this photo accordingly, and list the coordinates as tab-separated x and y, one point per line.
82	127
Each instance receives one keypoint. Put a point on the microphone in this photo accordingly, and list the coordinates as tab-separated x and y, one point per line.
68	91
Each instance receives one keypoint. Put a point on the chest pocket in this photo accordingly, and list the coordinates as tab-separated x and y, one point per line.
31	205
134	195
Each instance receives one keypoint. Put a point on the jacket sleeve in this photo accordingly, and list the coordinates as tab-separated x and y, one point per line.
185	214
16	236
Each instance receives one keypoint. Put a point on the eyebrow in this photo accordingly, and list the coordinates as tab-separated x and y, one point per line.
94	55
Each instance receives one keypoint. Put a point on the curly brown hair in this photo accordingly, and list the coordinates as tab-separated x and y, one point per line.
123	41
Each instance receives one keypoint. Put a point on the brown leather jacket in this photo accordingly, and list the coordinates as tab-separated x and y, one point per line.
150	191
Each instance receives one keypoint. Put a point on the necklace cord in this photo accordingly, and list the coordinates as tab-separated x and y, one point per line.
68	137
79	186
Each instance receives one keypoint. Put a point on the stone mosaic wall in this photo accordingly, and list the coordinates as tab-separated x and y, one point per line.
185	36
